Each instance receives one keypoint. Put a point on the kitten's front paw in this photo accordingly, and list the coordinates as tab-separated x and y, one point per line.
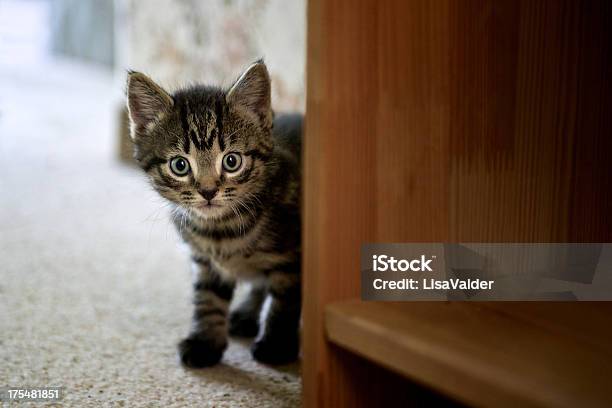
243	324
196	352
276	351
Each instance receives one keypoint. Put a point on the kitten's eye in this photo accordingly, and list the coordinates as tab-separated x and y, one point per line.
179	166
232	162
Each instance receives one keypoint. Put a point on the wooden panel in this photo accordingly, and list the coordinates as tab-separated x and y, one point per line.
579	321
446	120
524	159
412	122
483	357
337	156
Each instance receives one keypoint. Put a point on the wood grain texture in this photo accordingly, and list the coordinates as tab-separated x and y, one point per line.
483	355
475	120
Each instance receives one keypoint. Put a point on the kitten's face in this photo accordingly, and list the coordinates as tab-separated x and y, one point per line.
206	150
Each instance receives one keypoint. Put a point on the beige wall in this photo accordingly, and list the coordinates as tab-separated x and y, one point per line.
211	41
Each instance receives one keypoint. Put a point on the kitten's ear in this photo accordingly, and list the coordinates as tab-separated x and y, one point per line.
146	101
252	92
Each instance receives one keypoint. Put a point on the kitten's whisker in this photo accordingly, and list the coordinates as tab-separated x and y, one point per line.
254	196
243	204
235	210
242	223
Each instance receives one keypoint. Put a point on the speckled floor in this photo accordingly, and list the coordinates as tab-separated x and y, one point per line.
94	290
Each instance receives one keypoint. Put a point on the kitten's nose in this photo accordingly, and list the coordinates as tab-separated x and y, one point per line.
208	194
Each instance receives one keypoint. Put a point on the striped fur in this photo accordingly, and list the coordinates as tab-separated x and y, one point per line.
250	229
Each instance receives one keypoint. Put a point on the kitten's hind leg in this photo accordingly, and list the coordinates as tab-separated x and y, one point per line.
278	338
244	318
207	340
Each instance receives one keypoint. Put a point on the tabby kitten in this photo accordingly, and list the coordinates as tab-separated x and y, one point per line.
232	175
